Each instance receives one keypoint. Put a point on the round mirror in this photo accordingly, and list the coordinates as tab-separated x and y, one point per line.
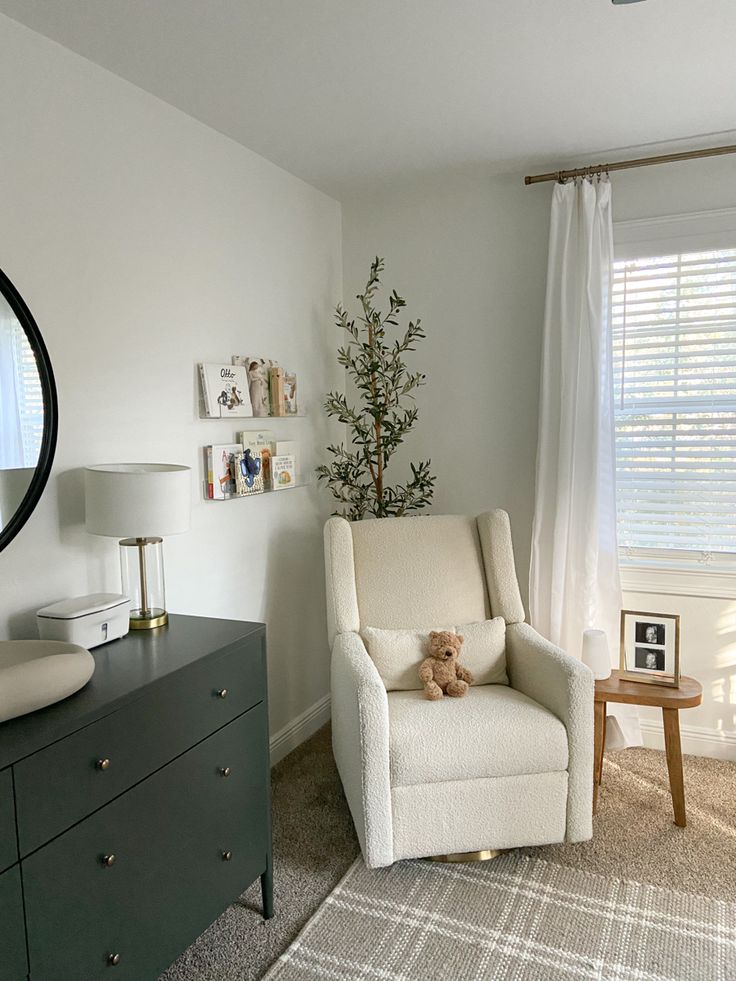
28	412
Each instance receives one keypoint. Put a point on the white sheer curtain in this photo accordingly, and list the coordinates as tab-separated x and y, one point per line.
574	576
11	436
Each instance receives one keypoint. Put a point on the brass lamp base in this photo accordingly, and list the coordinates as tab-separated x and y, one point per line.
153	618
482	856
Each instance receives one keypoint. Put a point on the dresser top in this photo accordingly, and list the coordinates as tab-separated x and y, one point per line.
124	669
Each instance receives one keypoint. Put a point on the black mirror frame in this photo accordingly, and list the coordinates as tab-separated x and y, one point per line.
50	412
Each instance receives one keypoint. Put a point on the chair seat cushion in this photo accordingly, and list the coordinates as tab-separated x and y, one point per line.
494	731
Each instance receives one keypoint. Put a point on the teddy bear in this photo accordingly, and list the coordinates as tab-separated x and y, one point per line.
440	672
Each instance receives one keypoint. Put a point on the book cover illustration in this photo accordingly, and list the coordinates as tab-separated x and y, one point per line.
248	474
225	391
283	472
258	372
288	447
223	470
260	443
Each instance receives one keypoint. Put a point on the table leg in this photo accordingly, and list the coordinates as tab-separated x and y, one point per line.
671	721
599	740
267	891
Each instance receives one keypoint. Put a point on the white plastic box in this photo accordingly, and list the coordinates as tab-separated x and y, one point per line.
85	620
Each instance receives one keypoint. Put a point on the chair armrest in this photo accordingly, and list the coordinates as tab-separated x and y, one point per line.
360	744
565	686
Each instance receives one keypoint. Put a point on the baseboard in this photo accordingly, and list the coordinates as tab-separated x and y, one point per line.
696	740
302	727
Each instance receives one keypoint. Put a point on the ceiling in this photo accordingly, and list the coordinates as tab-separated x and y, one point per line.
348	92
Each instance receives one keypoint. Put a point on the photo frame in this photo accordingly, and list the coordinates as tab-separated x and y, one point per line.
650	648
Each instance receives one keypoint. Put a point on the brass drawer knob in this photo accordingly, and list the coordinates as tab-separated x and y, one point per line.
113	959
108	860
222	693
225	771
227	856
103	764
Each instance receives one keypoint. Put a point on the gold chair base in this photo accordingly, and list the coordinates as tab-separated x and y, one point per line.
482	856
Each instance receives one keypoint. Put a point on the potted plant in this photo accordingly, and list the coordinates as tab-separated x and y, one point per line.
382	414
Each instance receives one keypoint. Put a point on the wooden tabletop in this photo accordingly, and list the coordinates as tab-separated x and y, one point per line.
615	689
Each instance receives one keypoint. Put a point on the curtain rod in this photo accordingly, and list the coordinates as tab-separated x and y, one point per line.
563	175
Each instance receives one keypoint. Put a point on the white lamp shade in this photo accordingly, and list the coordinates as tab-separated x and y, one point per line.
596	653
137	500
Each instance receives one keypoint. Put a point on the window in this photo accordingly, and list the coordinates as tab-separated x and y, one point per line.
674	364
30	397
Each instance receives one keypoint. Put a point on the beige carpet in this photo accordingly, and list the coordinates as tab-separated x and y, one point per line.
314	845
635	836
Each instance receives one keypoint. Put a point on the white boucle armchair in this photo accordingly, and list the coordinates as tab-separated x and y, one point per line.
506	766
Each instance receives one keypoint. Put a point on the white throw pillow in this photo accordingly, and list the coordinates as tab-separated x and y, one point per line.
398	654
484	651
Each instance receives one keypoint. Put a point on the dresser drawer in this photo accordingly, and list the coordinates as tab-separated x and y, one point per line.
8	842
169	879
67	781
13	960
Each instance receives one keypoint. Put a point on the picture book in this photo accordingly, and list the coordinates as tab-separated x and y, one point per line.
290	393
223	472
288	447
283	472
276	384
258	371
209	490
248	476
225	391
260	442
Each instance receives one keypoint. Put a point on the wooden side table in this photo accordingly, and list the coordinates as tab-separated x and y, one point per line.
670	700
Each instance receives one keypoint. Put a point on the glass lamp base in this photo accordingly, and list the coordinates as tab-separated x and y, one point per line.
142	566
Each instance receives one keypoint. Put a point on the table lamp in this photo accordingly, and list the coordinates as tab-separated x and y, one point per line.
596	653
139	503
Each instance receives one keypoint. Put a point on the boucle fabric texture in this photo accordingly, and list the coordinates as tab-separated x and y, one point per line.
565	686
484	650
360	733
408	573
513	919
493	731
342	599
398	654
413	572
470	815
494	531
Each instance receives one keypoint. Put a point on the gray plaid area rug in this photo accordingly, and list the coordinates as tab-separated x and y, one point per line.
512	919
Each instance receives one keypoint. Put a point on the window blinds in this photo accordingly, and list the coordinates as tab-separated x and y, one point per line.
674	360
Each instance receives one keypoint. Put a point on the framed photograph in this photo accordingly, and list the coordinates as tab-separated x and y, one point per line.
650	648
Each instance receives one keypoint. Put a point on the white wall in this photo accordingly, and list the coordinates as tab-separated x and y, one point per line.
144	242
469	252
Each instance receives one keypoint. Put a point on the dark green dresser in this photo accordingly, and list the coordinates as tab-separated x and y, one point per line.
134	812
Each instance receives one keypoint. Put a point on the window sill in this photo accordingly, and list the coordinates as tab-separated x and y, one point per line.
696	580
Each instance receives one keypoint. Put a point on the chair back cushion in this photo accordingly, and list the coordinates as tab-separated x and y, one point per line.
419	572
398	654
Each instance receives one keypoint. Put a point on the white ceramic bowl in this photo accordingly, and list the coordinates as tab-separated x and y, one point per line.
37	673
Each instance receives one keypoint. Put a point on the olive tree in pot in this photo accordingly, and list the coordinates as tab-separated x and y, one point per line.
382	414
